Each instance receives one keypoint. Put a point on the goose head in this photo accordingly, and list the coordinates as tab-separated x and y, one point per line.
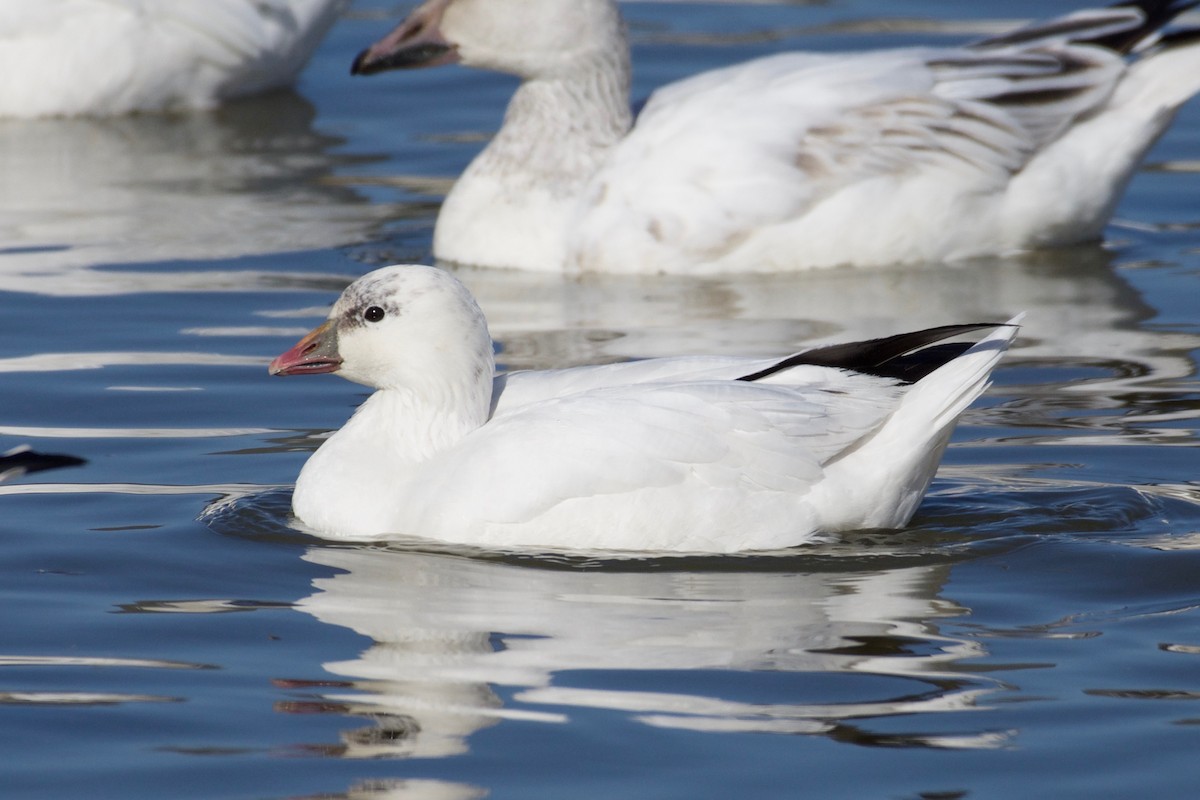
405	327
528	38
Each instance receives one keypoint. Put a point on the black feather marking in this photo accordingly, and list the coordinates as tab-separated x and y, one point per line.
1038	97
1184	37
907	357
1002	64
26	460
1054	29
1156	14
1159	13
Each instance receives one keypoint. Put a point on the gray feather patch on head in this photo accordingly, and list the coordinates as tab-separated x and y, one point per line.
364	293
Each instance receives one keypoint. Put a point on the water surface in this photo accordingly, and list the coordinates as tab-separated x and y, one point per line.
167	634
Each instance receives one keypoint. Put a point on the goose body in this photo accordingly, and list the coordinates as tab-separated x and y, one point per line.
696	454
105	57
798	160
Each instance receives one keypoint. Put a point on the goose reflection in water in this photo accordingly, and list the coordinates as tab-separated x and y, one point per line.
462	644
253	177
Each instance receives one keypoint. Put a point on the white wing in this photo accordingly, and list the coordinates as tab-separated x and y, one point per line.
711	435
764	143
520	388
523	387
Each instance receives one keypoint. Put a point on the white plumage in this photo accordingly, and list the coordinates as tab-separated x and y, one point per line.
797	160
699	454
104	57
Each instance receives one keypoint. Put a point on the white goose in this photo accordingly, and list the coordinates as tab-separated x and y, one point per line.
104	57
798	160
696	454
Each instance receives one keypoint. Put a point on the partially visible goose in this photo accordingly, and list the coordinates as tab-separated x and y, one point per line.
104	57
697	454
24	459
797	160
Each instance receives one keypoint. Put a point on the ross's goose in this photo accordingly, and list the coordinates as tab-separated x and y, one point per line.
797	160
23	459
104	57
697	454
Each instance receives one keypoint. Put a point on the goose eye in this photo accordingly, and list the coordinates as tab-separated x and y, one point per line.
373	314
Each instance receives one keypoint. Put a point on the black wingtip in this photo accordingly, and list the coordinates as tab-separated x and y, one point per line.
1158	13
1184	37
1082	28
24	460
906	357
360	65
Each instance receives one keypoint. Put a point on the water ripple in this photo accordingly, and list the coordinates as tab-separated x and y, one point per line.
80	698
95	661
61	362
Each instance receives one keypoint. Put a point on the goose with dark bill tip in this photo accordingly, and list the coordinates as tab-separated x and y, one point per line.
797	160
688	454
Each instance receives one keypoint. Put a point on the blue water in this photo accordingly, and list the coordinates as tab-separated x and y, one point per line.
164	633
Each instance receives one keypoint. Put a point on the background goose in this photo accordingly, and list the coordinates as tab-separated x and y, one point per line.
71	57
798	160
700	454
22	459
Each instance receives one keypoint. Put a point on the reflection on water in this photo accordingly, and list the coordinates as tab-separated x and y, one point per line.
1079	308
249	178
63	362
405	790
464	644
87	698
80	698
